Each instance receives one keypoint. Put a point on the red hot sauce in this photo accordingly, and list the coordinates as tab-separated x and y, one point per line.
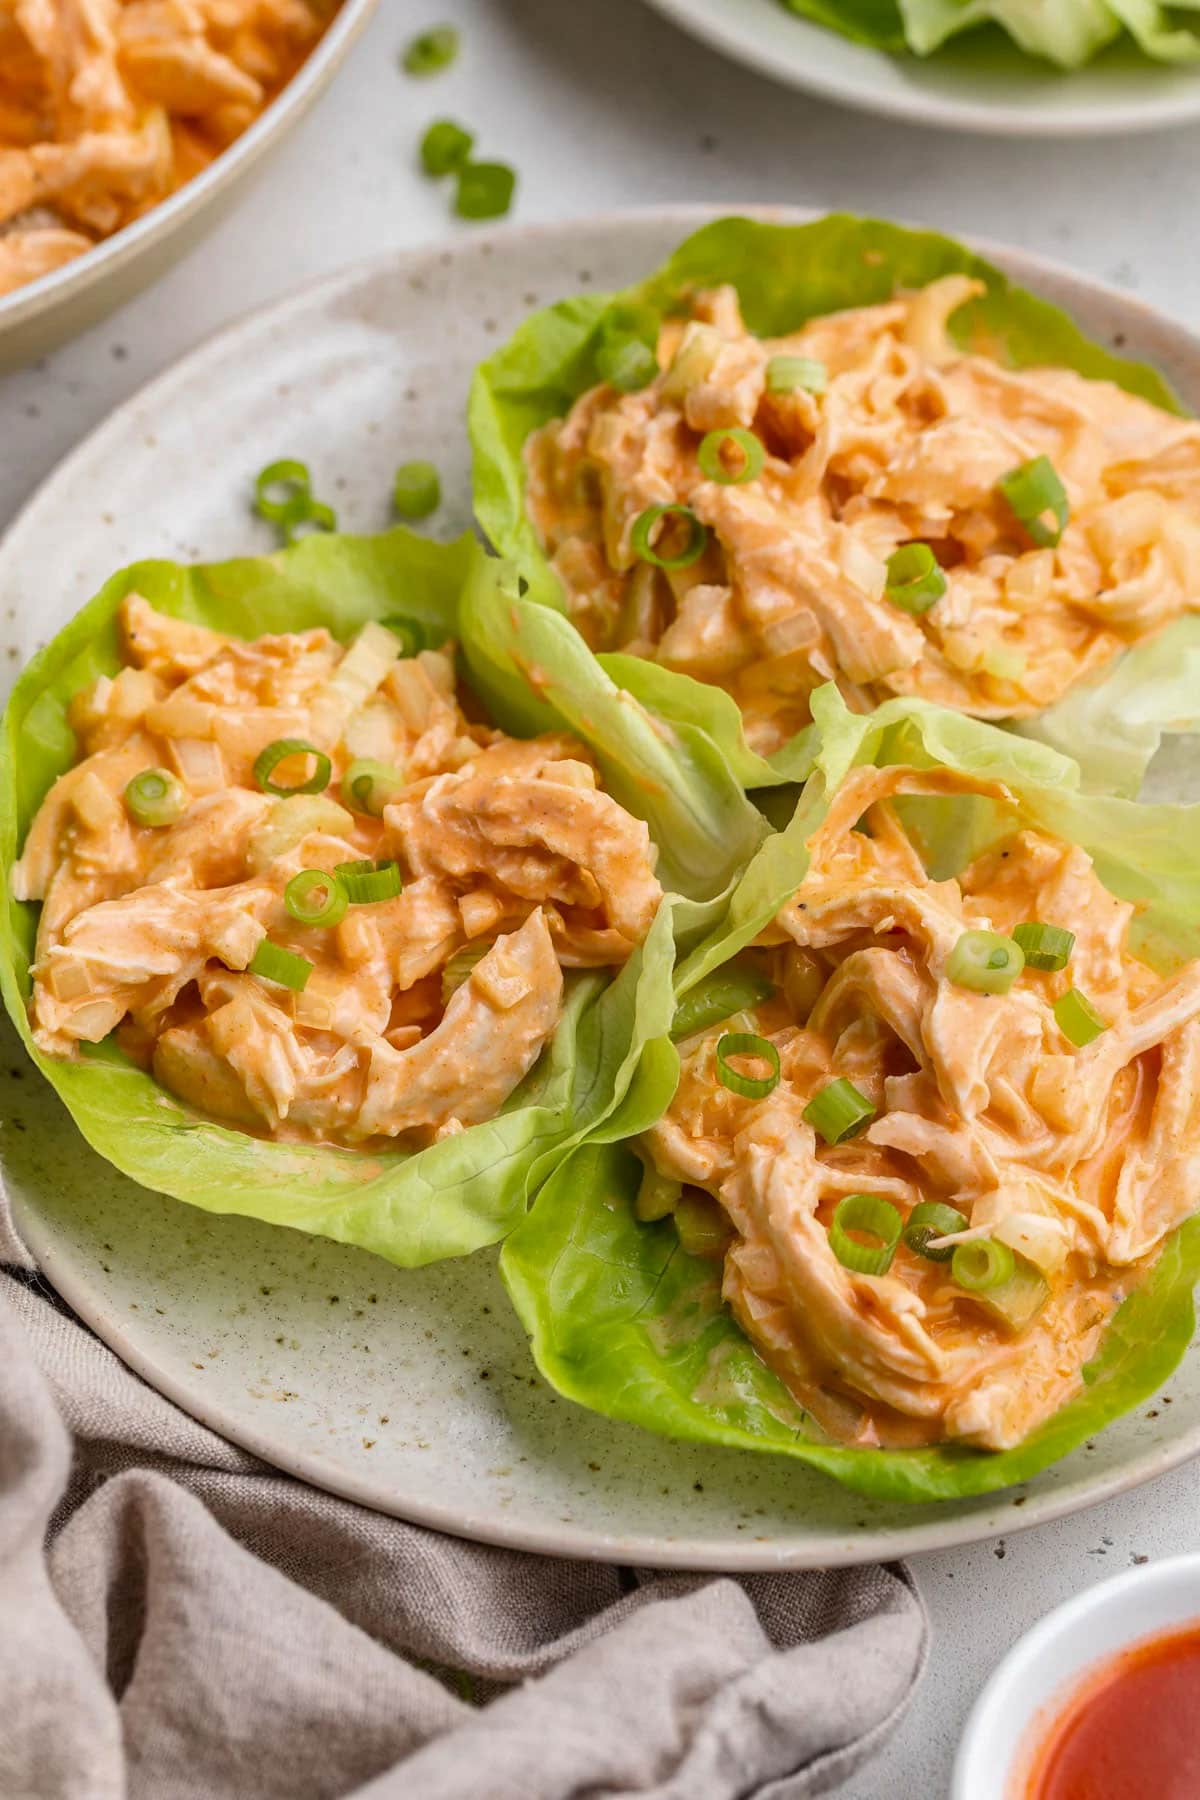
1131	1731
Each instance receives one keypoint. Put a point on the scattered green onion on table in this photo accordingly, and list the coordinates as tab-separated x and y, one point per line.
445	147
431	51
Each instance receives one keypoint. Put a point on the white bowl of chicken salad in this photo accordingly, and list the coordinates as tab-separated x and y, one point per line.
121	141
815	1040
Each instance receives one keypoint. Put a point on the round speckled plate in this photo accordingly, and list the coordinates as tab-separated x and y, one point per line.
414	1392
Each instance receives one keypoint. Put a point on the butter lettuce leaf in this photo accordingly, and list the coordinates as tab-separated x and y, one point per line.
622	1320
785	274
610	1047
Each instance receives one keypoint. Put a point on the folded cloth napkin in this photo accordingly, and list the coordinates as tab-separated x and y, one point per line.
180	1622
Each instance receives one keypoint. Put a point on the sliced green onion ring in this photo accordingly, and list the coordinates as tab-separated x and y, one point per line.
431	51
982	1264
984	962
747	1043
787	373
1044	946
930	1219
155	798
647	523
1032	491
1078	1019
367	787
367	882
735	988
416	490
268	760
444	146
839	1111
873	1216
410	632
915	582
711	457
485	190
289	475
314	897
305	511
274	963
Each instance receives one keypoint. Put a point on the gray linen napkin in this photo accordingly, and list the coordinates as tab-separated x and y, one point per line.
180	1622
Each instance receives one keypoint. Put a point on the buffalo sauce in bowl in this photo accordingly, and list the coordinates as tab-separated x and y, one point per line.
1131	1729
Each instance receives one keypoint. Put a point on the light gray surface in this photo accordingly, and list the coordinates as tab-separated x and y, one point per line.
601	104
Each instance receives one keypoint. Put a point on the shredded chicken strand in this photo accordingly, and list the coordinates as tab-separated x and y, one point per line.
906	443
1080	1161
508	849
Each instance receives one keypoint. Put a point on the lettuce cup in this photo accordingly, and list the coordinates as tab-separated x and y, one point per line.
919	1211
304	921
852	452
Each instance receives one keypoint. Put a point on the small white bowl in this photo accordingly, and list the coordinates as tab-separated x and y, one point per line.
43	313
1037	1678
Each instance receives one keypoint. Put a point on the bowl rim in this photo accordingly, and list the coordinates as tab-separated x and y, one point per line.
35	298
996	1702
734	38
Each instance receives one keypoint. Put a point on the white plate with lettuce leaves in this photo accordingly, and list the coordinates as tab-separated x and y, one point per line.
1058	68
381	1347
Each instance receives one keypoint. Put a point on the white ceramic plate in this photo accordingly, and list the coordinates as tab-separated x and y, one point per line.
45	312
966	87
414	1392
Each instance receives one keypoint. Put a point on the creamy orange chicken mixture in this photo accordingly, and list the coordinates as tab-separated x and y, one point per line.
904	443
421	1012
107	106
1078	1160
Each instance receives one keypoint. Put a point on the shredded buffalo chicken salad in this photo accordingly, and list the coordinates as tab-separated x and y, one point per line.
108	106
951	1138
310	893
862	502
